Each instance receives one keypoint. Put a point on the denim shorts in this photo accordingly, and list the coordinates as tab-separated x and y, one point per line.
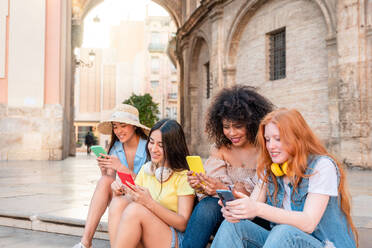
179	236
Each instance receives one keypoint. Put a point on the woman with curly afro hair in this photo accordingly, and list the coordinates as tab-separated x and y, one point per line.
232	124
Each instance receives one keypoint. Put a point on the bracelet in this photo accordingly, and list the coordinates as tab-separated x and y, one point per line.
200	190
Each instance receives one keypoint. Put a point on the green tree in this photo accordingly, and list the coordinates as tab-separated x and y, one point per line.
147	108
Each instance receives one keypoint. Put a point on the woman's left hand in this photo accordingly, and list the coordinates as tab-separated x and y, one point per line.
139	194
242	208
210	184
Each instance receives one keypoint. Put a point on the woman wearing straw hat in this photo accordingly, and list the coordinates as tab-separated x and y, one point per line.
127	154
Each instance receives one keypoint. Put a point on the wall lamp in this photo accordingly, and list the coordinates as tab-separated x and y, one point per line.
81	63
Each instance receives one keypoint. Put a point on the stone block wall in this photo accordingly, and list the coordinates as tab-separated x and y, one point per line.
305	86
31	133
354	84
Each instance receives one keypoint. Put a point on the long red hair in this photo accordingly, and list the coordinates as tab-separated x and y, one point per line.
299	141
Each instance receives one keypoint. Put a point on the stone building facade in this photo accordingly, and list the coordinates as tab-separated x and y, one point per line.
219	43
35	79
328	65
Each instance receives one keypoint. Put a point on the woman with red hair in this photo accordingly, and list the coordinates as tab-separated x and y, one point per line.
302	192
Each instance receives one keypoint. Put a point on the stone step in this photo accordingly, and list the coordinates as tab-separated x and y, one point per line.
51	224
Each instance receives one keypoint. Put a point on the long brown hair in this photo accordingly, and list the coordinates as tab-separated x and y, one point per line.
174	144
299	141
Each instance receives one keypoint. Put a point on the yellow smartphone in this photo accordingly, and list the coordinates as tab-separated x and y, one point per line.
195	164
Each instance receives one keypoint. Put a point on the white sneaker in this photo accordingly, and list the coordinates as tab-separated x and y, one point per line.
79	245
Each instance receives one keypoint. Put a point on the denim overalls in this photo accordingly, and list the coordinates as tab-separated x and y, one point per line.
333	226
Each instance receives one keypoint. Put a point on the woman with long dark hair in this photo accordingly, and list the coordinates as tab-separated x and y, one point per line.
159	205
126	154
302	192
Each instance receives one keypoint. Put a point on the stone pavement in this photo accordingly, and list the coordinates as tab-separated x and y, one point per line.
50	196
53	196
11	237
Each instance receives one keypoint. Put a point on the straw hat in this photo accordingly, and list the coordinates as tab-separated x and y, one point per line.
123	113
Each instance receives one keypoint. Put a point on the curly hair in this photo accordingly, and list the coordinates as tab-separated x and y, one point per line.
240	104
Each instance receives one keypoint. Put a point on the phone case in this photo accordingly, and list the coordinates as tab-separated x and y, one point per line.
125	178
97	150
225	195
195	164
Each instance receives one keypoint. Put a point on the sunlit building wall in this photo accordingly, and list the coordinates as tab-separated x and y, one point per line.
161	74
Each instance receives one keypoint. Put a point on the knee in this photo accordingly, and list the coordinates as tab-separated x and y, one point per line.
208	207
134	210
282	232
114	206
117	205
226	229
242	227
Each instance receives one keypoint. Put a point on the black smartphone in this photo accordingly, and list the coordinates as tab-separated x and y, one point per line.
225	195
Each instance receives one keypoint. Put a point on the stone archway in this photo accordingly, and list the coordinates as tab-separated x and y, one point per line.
242	18
80	8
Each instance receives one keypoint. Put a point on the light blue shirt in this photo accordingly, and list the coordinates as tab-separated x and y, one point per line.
140	158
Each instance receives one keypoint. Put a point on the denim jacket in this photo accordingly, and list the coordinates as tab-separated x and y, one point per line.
140	158
333	229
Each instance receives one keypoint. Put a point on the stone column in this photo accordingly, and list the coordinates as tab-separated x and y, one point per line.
216	47
184	100
355	129
369	66
76	41
333	96
66	73
229	76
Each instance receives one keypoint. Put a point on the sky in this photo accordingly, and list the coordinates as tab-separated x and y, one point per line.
111	12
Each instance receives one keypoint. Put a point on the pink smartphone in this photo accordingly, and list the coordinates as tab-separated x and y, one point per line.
125	178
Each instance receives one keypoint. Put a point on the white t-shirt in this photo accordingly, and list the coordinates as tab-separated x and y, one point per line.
323	181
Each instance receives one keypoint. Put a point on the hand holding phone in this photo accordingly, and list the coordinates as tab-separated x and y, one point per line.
117	188
195	164
97	150
225	195
125	178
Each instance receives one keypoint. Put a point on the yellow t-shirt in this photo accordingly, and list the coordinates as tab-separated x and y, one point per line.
175	186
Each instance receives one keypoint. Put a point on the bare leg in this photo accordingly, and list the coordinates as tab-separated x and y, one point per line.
100	200
139	225
116	208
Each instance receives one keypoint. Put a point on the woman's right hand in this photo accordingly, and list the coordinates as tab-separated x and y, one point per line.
241	208
210	184
193	180
117	187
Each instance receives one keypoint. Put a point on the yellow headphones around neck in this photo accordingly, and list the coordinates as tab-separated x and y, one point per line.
280	170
